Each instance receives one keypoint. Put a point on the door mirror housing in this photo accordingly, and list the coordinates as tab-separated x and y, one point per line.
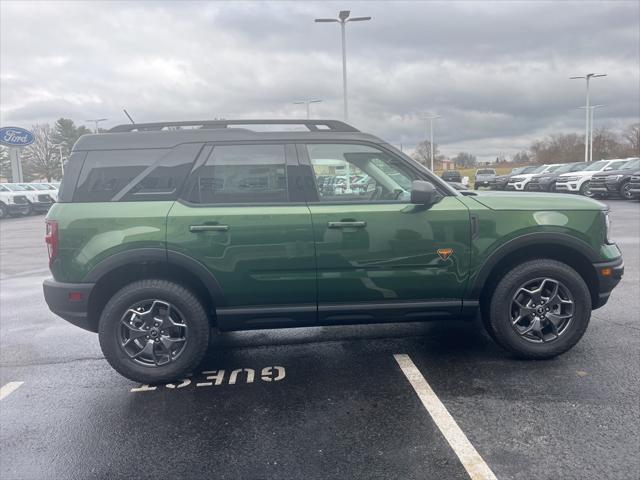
423	193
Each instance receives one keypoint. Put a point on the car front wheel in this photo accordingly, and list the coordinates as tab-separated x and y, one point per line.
154	331
585	189
539	309
625	191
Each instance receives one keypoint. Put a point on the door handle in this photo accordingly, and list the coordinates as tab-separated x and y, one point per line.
208	228
349	224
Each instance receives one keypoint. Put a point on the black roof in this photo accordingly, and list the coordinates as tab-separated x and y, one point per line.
169	134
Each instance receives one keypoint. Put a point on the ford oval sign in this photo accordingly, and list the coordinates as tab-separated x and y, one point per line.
15	137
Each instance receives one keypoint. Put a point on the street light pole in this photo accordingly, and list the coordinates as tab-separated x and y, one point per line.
96	121
587	77
59	145
343	18
307	102
591	124
431	118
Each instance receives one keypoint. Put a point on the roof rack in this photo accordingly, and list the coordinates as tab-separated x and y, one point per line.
312	125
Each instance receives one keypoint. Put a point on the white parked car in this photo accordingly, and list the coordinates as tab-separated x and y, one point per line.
12	203
520	181
578	182
39	201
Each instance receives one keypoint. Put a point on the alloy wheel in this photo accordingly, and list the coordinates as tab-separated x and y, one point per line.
152	333
542	310
626	191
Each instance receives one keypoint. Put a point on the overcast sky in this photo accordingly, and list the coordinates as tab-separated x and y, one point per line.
496	71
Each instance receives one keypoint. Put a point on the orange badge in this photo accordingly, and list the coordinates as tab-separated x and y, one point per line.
444	253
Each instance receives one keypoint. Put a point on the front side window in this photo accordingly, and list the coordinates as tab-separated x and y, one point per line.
359	173
240	174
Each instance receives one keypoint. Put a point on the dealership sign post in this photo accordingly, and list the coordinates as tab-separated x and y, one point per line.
15	138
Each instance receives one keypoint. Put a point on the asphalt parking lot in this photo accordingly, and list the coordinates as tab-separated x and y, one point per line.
316	402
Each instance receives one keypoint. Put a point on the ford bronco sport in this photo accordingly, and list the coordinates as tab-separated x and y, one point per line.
165	230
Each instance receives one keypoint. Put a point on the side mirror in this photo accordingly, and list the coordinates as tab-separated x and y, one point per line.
422	193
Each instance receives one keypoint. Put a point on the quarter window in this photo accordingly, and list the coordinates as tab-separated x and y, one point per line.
240	174
359	173
135	175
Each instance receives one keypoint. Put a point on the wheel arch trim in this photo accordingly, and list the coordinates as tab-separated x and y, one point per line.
520	243
160	255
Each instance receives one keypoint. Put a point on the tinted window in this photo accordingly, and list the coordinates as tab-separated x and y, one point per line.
358	173
134	175
240	174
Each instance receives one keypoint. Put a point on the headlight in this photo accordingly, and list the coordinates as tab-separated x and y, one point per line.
607	227
570	179
10	199
614	178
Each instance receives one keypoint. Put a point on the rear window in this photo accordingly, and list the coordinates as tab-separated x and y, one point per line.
240	174
135	175
486	171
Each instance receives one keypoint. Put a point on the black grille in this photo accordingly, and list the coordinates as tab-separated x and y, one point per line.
44	198
20	199
597	181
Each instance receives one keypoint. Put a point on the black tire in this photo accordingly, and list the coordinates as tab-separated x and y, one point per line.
189	306
4	211
625	191
499	321
584	189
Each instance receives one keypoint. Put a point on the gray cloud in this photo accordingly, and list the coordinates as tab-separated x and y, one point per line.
497	72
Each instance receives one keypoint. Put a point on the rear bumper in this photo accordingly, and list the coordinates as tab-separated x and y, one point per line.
606	283
59	296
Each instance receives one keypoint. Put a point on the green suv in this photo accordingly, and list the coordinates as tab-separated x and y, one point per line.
165	230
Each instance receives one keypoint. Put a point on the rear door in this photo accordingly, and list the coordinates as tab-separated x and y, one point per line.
379	256
242	215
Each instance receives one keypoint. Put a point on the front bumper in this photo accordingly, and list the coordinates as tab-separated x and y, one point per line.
70	301
516	186
17	208
571	187
41	206
607	282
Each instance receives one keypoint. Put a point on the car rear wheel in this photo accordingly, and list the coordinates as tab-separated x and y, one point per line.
539	309
625	191
154	331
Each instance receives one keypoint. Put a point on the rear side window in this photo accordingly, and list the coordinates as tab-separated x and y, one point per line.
135	175
240	174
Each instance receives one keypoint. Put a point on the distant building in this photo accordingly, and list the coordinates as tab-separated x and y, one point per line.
448	164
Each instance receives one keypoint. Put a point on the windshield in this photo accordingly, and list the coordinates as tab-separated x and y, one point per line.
568	167
539	169
580	166
16	188
555	168
597	166
631	165
528	169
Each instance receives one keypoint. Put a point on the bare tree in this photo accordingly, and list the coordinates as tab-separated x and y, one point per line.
632	137
464	159
422	153
41	158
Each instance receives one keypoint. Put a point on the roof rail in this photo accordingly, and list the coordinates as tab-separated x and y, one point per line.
312	125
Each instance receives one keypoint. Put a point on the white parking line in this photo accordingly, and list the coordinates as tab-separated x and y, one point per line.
9	388
470	458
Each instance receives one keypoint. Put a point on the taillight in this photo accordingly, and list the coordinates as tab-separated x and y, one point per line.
51	239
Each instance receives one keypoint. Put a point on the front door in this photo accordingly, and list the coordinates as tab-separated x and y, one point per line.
379	256
242	215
